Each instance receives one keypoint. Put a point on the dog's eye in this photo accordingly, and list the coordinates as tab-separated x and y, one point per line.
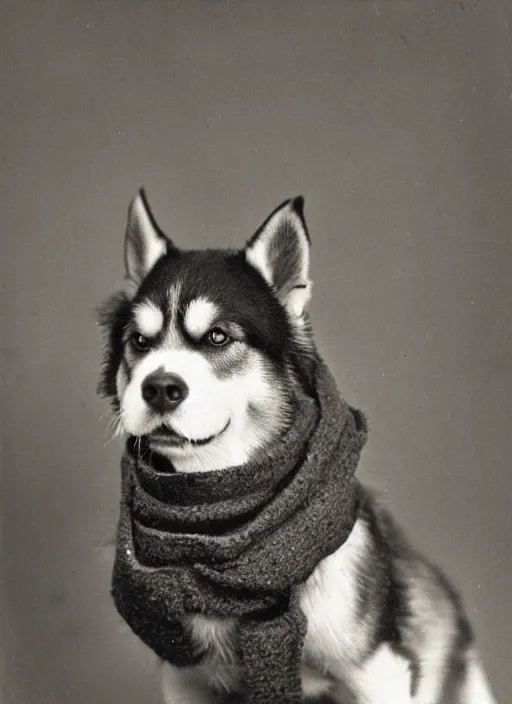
218	337
140	342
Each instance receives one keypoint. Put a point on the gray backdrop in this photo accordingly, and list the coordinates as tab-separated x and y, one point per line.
394	119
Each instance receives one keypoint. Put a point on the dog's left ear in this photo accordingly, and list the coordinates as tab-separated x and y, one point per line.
279	251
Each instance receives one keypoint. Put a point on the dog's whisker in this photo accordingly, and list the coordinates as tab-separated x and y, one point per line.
114	426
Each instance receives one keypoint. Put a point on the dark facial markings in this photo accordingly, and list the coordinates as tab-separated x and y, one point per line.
127	370
247	311
223	343
230	360
232	285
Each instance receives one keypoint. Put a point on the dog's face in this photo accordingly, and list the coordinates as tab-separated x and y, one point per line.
204	347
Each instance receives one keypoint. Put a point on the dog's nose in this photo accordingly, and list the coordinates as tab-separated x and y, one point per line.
164	392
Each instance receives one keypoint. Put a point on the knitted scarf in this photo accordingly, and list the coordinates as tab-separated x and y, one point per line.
237	541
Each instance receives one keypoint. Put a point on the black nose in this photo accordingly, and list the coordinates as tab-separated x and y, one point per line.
164	392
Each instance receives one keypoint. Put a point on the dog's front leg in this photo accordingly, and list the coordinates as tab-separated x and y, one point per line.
185	685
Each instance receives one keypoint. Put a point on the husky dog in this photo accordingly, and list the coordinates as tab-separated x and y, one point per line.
202	362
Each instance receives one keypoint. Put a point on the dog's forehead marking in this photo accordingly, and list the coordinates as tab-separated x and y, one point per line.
173	301
173	307
148	318
199	316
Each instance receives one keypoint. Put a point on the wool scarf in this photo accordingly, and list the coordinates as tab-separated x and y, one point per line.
238	541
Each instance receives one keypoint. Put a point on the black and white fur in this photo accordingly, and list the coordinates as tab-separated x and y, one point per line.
205	349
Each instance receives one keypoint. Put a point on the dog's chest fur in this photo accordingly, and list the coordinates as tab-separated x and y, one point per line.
349	654
336	635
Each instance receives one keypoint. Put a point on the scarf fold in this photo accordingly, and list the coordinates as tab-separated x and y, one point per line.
237	541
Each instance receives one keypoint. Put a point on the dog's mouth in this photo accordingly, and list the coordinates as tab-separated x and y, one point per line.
163	435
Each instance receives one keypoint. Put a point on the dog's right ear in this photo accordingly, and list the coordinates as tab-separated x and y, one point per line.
144	242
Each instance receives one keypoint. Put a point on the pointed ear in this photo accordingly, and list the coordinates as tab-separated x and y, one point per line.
280	252
144	242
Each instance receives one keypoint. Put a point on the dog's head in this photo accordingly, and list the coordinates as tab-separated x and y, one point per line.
206	348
